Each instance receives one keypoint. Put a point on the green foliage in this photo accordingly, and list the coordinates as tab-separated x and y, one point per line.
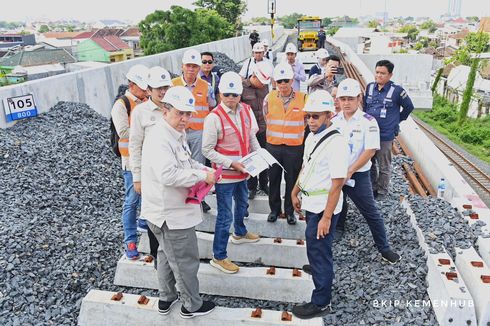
231	10
43	29
411	30
326	21
473	19
372	24
332	30
468	92
429	25
11	25
260	21
474	43
436	80
290	21
179	27
418	46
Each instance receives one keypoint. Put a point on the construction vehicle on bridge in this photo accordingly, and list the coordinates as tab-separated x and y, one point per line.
308	27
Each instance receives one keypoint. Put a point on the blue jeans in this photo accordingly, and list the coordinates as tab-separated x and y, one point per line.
319	252
225	193
130	208
362	196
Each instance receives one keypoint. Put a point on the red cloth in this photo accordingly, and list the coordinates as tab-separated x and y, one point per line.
201	189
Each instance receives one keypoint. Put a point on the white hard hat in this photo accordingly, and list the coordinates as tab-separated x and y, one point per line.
191	56
319	101
230	82
263	71
283	71
159	77
265	42
138	74
258	47
322	53
291	48
180	98
348	87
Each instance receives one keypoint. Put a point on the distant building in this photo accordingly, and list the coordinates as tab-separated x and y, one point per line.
11	40
108	48
109	23
345	21
454	8
456	40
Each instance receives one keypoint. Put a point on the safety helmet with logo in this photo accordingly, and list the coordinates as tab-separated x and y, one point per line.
265	42
191	56
230	82
319	101
180	98
322	53
283	71
348	87
138	74
258	47
291	48
263	71
159	77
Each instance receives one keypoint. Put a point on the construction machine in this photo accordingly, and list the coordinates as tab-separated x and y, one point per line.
308	27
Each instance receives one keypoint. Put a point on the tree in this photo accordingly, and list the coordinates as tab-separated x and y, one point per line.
231	10
261	21
373	23
290	21
43	29
430	25
411	31
418	46
179	27
326	21
332	30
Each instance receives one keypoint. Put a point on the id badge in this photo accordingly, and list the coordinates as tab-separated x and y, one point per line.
382	114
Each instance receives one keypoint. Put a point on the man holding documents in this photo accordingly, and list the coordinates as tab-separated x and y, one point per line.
167	174
229	135
362	134
283	111
320	182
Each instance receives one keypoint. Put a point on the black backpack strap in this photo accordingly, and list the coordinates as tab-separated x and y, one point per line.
333	132
249	62
127	104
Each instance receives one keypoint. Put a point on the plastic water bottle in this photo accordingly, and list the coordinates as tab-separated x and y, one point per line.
441	188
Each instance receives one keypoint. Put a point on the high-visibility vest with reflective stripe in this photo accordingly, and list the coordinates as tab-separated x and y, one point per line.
200	93
123	143
285	127
232	143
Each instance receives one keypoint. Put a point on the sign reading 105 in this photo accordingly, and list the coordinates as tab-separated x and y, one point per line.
20	107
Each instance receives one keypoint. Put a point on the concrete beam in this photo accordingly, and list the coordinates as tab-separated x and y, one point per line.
450	298
258	223
484	249
259	204
249	282
99	310
268	251
476	275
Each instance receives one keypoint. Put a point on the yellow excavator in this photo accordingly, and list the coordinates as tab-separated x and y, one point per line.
308	27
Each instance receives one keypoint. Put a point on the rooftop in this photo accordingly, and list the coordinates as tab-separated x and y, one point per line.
37	58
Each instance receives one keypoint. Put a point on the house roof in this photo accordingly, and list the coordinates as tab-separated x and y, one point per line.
460	35
484	25
459	21
37	58
132	31
61	35
84	35
110	43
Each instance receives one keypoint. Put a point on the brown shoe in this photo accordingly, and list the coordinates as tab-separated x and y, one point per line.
224	265
247	238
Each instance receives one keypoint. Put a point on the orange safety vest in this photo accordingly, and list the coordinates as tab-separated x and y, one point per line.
232	144
123	143
200	93
285	127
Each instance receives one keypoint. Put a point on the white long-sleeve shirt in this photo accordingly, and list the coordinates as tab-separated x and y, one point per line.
167	173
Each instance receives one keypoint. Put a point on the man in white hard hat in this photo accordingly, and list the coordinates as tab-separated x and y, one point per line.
167	173
257	56
296	64
267	51
121	117
143	119
205	100
362	134
255	89
283	111
229	135
320	182
324	74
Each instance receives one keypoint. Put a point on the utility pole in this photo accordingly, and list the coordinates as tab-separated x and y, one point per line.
271	9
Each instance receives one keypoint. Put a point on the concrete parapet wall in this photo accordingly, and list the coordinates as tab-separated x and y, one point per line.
97	87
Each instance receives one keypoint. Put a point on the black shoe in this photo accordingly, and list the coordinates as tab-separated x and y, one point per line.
164	306
206	308
291	219
205	207
272	217
339	234
391	257
252	193
265	189
307	269
310	310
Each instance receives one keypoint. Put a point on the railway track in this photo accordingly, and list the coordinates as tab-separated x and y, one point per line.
478	178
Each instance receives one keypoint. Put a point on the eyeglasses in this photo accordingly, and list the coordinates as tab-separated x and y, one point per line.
281	81
314	116
230	94
209	62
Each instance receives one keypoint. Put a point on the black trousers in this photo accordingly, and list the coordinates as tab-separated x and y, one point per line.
291	158
153	244
263	178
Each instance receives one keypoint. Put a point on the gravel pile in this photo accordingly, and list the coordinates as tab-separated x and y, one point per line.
224	63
